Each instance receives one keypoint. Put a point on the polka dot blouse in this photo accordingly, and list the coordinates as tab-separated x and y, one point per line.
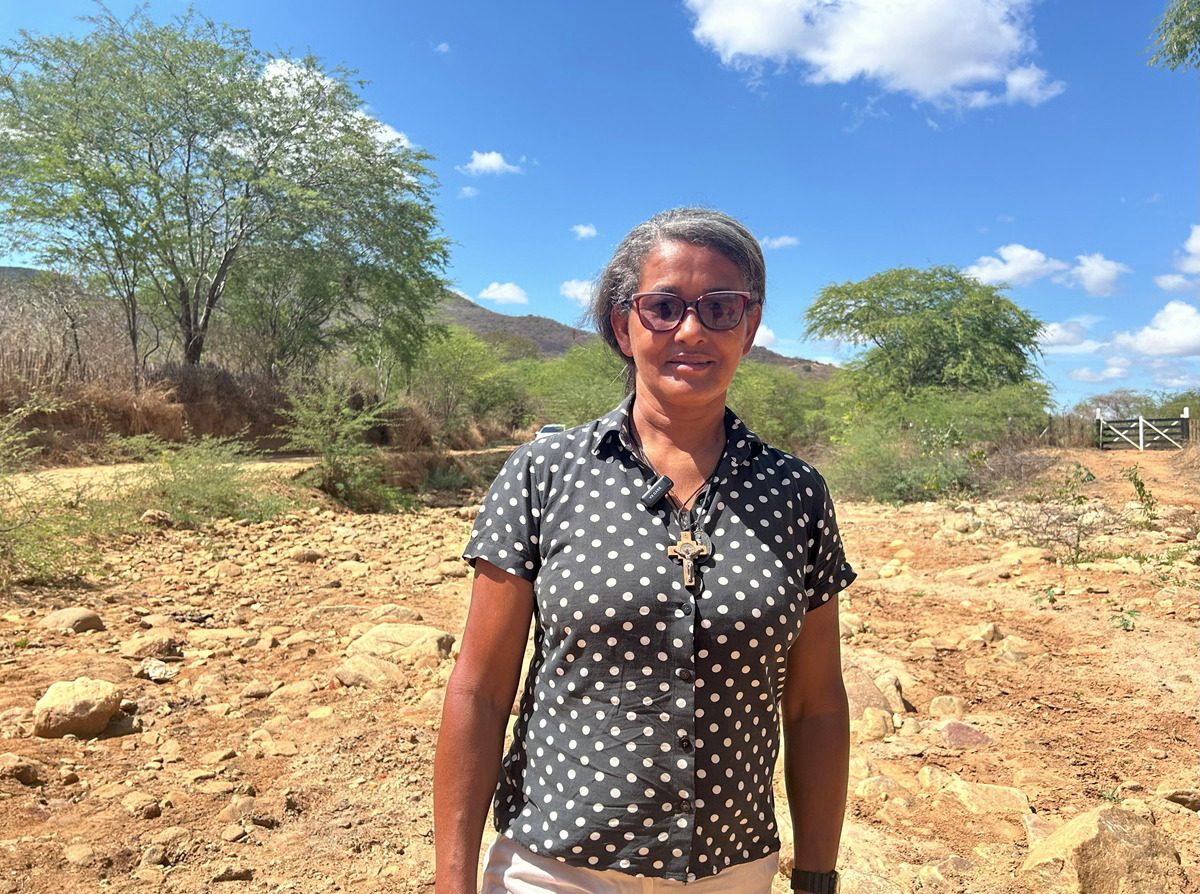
649	724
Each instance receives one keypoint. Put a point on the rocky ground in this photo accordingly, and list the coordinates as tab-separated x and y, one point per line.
259	703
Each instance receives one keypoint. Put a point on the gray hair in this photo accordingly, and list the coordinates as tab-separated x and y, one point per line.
692	226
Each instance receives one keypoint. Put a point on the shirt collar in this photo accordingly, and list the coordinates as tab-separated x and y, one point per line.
613	433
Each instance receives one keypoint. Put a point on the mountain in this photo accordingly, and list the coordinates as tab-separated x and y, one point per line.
553	338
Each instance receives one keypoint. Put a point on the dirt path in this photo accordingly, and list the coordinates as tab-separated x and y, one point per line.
265	764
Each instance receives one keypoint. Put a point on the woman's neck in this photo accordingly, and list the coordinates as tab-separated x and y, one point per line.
685	446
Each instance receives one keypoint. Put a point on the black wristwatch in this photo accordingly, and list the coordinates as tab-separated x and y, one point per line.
815	882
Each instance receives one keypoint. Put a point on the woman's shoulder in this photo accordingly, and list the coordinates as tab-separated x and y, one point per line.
798	469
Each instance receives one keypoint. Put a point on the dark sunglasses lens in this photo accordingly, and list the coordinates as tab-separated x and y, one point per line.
721	311
661	311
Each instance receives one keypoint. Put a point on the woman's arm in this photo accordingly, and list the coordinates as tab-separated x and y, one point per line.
479	699
816	735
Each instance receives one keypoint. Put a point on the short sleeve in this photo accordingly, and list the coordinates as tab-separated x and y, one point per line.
507	526
827	572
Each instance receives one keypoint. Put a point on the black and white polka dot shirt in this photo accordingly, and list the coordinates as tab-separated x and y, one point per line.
649	724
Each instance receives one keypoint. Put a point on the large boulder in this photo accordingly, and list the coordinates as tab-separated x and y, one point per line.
82	707
77	618
1108	850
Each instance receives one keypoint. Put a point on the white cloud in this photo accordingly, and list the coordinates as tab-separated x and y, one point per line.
1096	274
1189	261
487	163
770	242
578	290
584	231
504	293
1067	334
966	53
1015	265
1115	368
1174	376
442	47
764	337
1174	282
468	192
1173	332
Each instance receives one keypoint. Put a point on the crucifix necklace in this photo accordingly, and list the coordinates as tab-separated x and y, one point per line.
693	546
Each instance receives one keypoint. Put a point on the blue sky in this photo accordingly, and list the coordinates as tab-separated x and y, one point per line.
1027	142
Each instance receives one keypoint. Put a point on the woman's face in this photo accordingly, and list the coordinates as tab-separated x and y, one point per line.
691	364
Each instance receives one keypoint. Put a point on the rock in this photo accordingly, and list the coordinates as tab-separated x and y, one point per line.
875	724
81	708
369	671
1017	649
25	770
981	798
157	518
238	809
931	645
234	874
1185	797
394	613
77	618
154	855
156	671
232	833
79	855
255	689
948	706
962	735
305	554
396	641
862	693
157	644
298	689
893	691
1106	849
141	805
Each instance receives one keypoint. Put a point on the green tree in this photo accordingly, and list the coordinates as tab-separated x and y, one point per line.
1177	37
779	406
450	372
935	327
158	159
583	384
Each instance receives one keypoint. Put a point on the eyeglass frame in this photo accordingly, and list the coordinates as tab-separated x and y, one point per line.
747	299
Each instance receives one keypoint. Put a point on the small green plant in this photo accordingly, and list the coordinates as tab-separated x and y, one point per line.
1144	497
324	421
1124	620
22	642
1112	795
1047	596
1058	516
197	482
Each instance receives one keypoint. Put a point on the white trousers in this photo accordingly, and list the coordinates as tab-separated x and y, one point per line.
508	867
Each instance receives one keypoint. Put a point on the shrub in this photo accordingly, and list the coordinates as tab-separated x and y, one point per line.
200	481
324	421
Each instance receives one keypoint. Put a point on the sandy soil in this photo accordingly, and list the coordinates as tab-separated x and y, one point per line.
255	767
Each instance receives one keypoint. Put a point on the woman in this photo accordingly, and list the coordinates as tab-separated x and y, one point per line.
683	580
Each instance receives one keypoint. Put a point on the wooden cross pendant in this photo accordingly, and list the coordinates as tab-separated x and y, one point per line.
688	551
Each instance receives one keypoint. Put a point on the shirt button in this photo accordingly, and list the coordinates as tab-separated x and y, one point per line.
685	743
685	806
687	608
683	673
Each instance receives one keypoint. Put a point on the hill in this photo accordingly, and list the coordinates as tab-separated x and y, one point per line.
554	338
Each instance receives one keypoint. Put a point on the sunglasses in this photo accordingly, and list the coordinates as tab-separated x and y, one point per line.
663	312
